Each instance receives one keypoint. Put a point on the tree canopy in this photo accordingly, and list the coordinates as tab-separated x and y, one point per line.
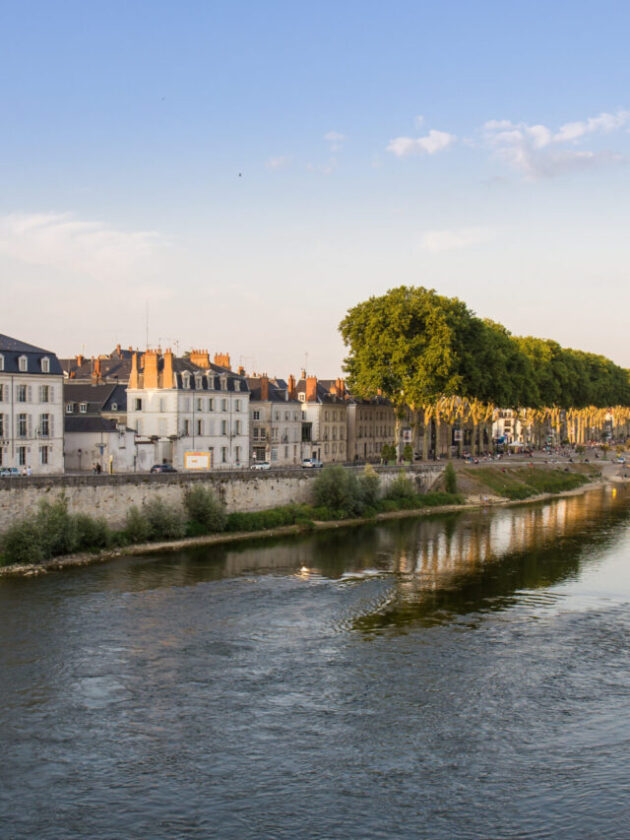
415	346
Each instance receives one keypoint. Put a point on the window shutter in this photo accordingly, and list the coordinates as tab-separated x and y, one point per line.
29	394
51	425
51	394
29	424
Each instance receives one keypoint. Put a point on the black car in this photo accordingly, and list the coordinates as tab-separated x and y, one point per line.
162	468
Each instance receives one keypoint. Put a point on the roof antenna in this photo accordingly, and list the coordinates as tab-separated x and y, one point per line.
147	324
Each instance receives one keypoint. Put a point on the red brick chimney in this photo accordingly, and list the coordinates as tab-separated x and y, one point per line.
264	387
133	376
167	372
79	360
201	358
292	390
151	369
311	389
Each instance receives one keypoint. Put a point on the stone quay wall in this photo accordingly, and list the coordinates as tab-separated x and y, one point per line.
111	496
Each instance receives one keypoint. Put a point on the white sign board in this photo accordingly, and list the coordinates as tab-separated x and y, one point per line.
197	460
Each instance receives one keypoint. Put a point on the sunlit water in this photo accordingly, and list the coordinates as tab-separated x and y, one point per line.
461	677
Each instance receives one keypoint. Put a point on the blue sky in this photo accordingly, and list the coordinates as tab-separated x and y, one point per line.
254	169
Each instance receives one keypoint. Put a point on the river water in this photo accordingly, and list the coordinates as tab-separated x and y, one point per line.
464	676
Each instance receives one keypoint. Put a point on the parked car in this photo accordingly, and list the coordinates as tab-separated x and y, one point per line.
311	463
9	472
163	468
621	460
261	465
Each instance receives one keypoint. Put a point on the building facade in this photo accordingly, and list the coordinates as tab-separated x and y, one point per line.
324	418
31	408
371	425
187	405
275	421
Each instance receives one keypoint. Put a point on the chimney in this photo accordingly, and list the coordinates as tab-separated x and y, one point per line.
133	376
303	374
241	371
264	387
167	373
223	360
151	369
292	393
96	372
311	389
79	360
119	351
201	358
341	388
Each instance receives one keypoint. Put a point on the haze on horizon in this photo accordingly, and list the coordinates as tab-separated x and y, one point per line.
253	170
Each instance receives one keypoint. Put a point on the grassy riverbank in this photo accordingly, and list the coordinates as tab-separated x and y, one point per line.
54	538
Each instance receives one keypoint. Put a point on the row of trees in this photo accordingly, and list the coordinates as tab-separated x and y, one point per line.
432	355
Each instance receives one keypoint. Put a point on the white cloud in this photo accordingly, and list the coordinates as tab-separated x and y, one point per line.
335	140
438	241
433	142
92	249
277	162
537	151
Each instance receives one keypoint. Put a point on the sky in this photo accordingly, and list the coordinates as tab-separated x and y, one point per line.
236	175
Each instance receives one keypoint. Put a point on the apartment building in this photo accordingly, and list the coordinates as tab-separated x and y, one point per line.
275	421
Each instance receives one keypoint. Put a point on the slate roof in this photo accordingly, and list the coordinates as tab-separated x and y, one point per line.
11	349
210	376
98	397
83	423
277	390
113	368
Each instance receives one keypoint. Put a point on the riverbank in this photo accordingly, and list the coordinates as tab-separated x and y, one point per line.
603	473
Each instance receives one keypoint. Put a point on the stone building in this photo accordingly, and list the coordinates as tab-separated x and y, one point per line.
371	425
324	416
275	417
189	405
31	413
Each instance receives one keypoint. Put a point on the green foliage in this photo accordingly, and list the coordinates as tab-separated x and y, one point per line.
204	509
57	529
338	489
370	486
524	482
273	518
388	453
92	533
450	479
21	543
401	488
137	528
165	522
408	453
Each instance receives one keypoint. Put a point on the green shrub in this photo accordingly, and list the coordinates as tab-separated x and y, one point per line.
338	489
21	543
92	533
165	522
205	509
400	488
450	479
388	453
369	486
137	528
57	529
407	452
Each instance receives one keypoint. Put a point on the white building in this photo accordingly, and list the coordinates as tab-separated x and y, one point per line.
96	440
324	416
31	408
187	405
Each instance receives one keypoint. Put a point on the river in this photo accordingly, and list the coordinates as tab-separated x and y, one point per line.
462	676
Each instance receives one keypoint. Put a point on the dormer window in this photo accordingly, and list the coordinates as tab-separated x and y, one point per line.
198	383
45	365
223	383
186	380
23	364
302	396
114	406
1	362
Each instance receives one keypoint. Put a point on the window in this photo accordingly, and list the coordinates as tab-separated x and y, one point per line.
43	454
200	427
286	451
274	453
1	393
255	434
223	405
1	362
21	451
198	383
302	397
45	365
69	408
22	425
237	453
224	454
44	425
210	405
237	427
256	415
137	405
114	406
1	428
199	404
237	405
44	393
21	393
224	427
82	408
23	364
186	380
186	428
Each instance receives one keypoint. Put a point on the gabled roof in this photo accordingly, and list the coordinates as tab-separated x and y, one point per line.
89	424
98	397
16	346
